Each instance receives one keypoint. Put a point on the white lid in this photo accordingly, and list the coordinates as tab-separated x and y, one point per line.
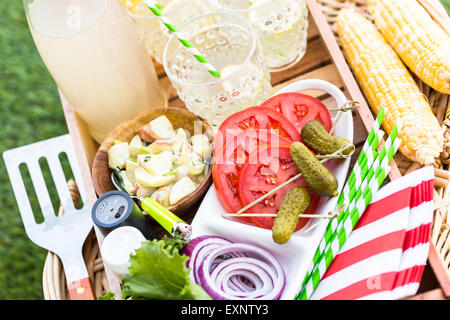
117	247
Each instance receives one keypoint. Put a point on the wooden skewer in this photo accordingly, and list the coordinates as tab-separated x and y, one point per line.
327	216
349	105
330	215
249	215
336	155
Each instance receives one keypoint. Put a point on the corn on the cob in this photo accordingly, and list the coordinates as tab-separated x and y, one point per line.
387	83
419	41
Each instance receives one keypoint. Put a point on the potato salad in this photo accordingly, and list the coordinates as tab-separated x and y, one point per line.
161	162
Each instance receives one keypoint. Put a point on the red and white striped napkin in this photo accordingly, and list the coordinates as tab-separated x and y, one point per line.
386	253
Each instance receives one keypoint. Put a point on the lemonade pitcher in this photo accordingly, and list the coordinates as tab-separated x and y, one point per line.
90	48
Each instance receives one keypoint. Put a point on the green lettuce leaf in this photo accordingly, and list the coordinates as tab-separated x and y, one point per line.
108	296
158	271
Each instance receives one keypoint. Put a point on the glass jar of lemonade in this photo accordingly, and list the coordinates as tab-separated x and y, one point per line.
91	50
281	26
229	43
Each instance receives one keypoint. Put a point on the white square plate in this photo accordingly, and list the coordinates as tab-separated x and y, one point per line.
297	253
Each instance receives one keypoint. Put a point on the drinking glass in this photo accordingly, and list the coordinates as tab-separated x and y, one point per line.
152	33
281	26
91	50
229	43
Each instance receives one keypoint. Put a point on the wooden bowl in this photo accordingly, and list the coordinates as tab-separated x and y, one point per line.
180	118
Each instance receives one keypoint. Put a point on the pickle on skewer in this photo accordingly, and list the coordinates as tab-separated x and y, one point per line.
294	203
317	138
316	175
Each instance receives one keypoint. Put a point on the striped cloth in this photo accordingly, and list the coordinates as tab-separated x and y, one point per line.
386	253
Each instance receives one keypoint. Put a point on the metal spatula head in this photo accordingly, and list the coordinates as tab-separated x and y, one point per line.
64	235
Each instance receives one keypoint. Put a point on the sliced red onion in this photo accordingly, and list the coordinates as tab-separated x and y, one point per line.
198	249
236	284
192	244
240	282
262	270
254	271
241	291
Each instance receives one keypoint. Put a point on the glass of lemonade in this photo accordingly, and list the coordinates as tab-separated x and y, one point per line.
152	33
281	26
230	44
91	50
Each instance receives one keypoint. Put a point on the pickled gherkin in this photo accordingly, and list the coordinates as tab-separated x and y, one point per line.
317	138
316	175
294	203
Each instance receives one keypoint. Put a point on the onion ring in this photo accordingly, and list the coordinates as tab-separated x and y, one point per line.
262	270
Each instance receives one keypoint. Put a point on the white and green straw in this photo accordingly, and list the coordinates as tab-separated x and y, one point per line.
367	155
373	139
388	149
353	182
155	8
342	233
323	257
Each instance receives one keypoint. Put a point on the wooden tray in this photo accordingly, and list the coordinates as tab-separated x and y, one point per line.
323	60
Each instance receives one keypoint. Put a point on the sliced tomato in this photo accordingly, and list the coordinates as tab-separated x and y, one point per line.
300	108
255	118
229	160
267	168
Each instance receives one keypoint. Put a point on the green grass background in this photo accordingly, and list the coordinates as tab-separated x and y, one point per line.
30	111
446	4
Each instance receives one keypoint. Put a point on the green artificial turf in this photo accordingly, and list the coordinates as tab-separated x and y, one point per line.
30	111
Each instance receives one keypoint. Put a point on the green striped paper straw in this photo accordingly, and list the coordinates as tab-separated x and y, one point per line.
377	158
364	154
155	7
389	148
378	163
340	237
359	171
369	147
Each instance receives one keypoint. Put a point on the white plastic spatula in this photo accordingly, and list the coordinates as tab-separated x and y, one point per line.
64	235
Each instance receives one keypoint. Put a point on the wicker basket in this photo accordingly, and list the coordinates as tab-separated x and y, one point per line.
53	278
54	283
440	104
